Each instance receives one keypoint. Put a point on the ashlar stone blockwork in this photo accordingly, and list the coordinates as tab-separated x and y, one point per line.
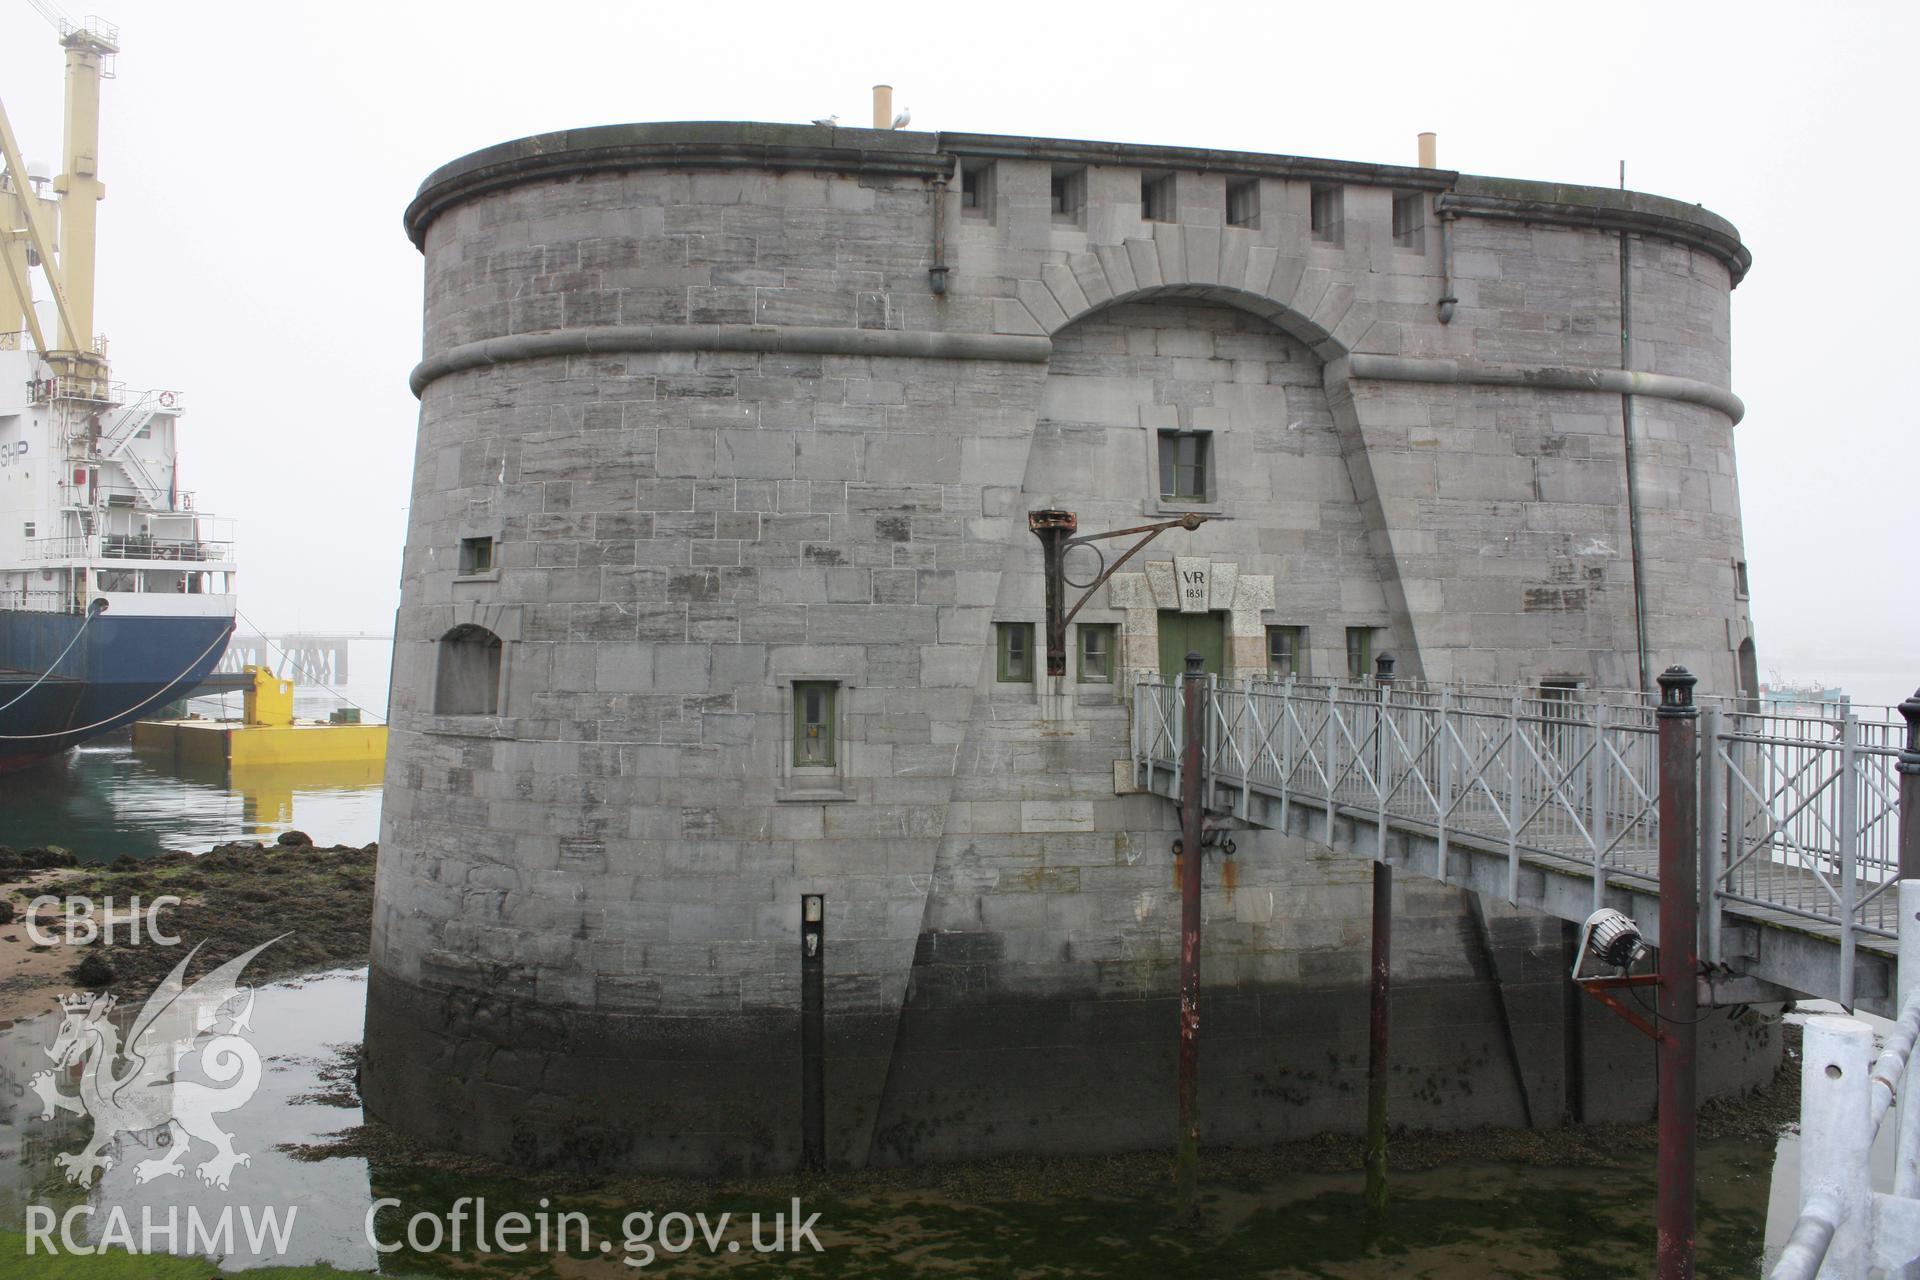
730	446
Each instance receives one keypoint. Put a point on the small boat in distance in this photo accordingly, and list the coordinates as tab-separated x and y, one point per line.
116	592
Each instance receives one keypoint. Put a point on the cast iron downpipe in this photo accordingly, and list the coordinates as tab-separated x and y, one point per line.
1908	767
1633	467
1679	967
1192	824
937	273
1380	981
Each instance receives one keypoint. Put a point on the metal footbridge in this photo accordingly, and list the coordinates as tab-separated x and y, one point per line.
1550	799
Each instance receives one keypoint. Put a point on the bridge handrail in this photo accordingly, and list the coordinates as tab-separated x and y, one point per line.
1805	806
1845	1226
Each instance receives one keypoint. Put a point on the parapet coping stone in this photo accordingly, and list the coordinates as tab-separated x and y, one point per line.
932	156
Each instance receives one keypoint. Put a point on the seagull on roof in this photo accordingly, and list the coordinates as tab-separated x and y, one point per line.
828	121
900	121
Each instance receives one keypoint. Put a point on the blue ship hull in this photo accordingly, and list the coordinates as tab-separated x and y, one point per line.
121	669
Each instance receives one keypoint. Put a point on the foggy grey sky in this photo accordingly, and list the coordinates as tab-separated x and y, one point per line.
257	159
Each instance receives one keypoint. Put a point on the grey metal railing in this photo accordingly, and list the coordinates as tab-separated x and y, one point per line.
1845	1228
1802	811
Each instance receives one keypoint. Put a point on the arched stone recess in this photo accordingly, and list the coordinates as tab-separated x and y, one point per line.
1314	305
1036	831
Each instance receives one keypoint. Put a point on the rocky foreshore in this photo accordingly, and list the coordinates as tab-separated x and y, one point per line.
316	900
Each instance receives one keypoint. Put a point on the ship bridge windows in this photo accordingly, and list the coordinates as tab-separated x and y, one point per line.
467	682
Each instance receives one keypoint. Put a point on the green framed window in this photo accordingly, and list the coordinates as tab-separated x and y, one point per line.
813	722
1016	653
1096	653
476	555
1286	651
1185	465
1359	652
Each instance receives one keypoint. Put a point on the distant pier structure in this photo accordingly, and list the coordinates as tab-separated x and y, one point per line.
303	657
734	818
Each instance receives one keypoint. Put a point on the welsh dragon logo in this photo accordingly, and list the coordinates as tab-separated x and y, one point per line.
132	1089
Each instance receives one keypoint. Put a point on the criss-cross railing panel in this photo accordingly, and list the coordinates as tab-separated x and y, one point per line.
1806	808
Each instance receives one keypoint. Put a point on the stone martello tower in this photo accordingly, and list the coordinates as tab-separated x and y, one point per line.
719	598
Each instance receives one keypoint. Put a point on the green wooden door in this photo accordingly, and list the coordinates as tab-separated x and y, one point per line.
1181	633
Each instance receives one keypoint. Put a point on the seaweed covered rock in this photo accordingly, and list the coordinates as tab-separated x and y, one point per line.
93	970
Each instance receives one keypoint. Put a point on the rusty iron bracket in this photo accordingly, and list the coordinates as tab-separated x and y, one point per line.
1056	530
1601	989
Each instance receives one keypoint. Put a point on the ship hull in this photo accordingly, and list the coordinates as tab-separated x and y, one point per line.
123	667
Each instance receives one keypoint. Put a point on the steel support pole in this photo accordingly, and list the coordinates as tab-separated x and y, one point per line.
1380	985
1192	826
1908	767
1679	967
1906	1160
1713	812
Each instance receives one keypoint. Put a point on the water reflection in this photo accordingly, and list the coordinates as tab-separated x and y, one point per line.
1460	1221
103	800
296	1027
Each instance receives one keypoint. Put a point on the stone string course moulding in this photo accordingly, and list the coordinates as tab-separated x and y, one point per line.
731	446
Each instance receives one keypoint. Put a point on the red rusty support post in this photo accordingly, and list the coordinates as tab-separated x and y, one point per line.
1192	825
1380	991
1679	967
1909	771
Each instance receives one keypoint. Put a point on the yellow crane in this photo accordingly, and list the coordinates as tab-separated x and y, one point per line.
28	234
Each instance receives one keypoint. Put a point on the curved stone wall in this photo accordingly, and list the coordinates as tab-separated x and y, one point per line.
690	388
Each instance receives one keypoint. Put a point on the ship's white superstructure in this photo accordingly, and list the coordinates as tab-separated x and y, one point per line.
91	505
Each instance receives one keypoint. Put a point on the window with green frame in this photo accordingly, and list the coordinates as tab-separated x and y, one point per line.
813	723
1096	653
1359	652
1286	652
1185	466
1016	653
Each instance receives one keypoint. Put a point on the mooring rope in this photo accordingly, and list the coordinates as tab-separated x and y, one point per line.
165	689
94	610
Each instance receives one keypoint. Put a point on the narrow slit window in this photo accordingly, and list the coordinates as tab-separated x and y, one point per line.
1016	653
1740	591
1409	218
1561	695
1560	710
976	191
476	556
1096	653
1326	212
813	723
1359	652
1243	204
1069	194
1285	647
1185	464
1156	197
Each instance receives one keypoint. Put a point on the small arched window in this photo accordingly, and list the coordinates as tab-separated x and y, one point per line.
468	680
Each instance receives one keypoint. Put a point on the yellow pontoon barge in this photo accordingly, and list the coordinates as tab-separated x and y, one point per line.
267	735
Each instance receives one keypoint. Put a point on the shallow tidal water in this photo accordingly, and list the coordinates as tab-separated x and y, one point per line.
102	800
1464	1220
